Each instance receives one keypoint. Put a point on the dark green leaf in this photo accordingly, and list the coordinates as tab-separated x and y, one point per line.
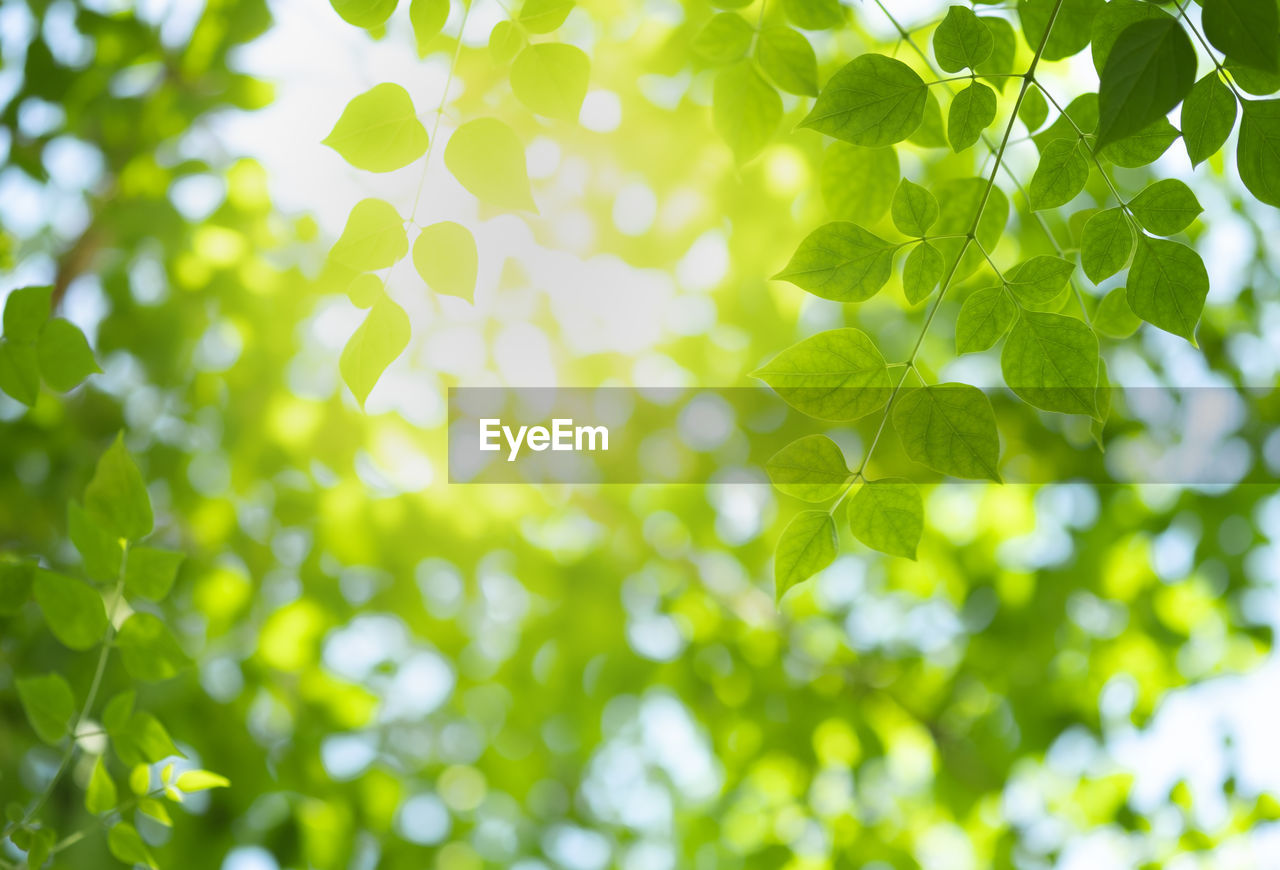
950	428
19	371
808	544
1111	21
811	468
25	312
73	610
49	705
840	261
914	209
1060	175
1258	150
116	497
64	356
1071	26
972	110
1051	361
1166	207
984	317
148	649
1151	68
888	515
1039	279
873	100
1142	148
1168	285
961	40
15	585
1208	114
99	549
1105	244
835	375
124	842
1246	31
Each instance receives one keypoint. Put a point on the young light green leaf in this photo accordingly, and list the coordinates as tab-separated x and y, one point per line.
15	584
445	256
808	544
840	261
148	648
788	59
19	371
858	183
745	110
1141	148
1246	31
379	130
99	549
922	272
811	468
551	78
73	610
950	428
1166	207
375	345
506	40
1040	279
915	209
1151	67
544	16
428	18
835	375
814	14
1114	317
101	795
1105	244
1072	22
1051	361
116	497
1060	175
49	705
1003	51
972	110
124	842
487	158
200	780
25	312
149	573
373	237
724	38
1208	114
888	515
961	40
984	317
365	290
1258	149
873	100
1034	111
931	133
156	810
1168	285
364	13
64	356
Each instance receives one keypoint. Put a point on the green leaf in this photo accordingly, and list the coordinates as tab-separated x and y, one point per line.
835	375
487	158
1166	207
1151	68
148	648
375	345
156	810
959	199
745	110
814	14
99	549
149	573
858	183
724	38
64	356
840	261
1004	50
950	428
1258	149
1072	25
922	272
19	371
808	544
1051	361
1258	82
41	846
49	705
1040	279
1142	148
984	317
1082	113
124	842
888	515
115	716
1060	175
379	130
25	312
1208	114
15	585
1114	317
116	497
551	79
101	795
373	238
1168	285
200	780
811	468
544	16
73	610
365	290
915	209
873	100
788	59
142	741
1105	244
1112	20
961	40
506	41
1034	111
445	256
931	133
1246	31
972	110
428	18
364	13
